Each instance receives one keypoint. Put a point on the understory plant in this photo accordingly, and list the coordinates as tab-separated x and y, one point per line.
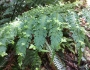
28	33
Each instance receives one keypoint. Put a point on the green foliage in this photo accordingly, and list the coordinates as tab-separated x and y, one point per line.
9	9
85	14
35	25
32	59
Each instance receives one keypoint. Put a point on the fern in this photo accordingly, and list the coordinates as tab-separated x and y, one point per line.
35	25
78	33
85	14
55	31
40	32
32	59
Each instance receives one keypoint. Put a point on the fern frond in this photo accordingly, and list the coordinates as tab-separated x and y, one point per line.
32	59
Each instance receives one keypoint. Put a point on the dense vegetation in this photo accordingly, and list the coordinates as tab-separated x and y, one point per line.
9	9
54	29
